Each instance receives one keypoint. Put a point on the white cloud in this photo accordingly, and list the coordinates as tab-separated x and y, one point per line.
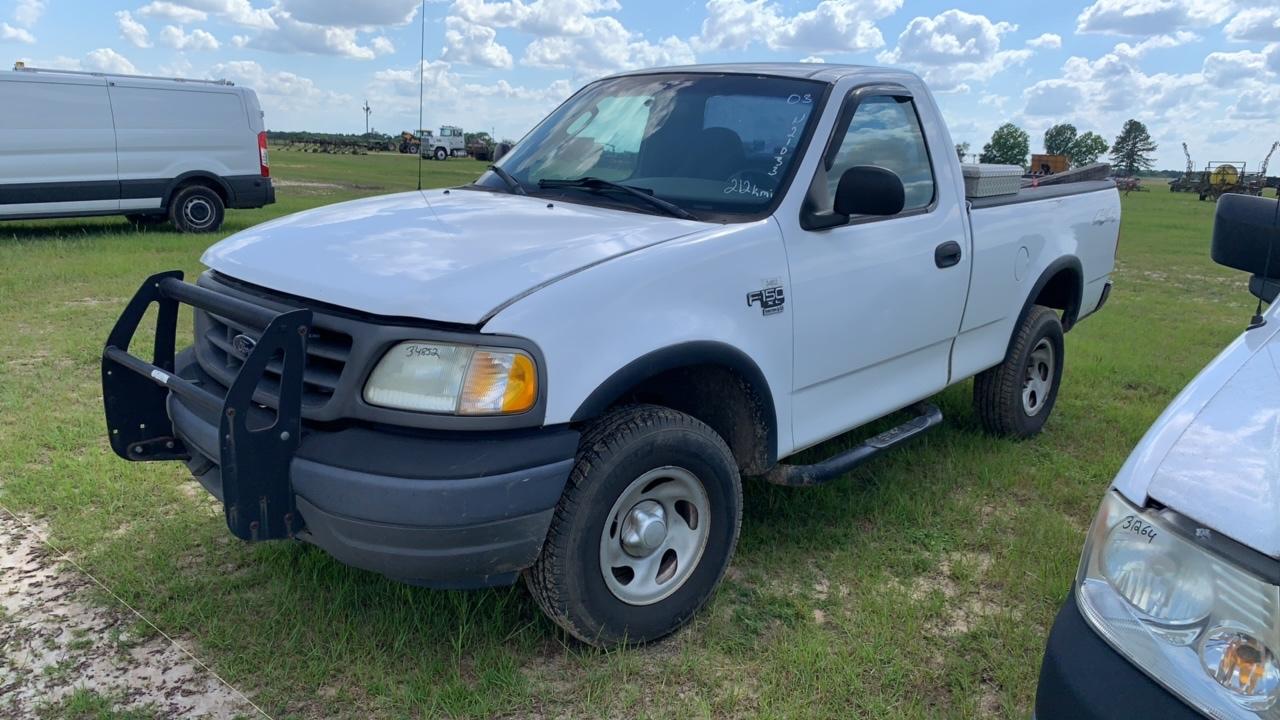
132	30
237	12
298	90
472	44
568	34
291	35
366	13
832	26
179	39
813	59
1254	24
1224	69
15	34
27	12
239	41
1047	41
953	47
1141	18
108	61
170	11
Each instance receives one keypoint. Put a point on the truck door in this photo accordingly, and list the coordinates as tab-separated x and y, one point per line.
57	145
878	301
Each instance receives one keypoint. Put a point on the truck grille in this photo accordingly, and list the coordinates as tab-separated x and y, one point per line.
327	353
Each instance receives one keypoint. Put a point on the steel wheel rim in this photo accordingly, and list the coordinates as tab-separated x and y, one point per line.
1037	380
655	535
198	212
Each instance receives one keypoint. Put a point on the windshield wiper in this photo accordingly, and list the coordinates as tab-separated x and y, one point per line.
512	183
598	184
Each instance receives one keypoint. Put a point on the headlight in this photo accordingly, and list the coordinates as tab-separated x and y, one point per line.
1200	625
454	379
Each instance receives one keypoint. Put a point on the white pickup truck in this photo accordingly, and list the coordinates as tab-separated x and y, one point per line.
563	370
1176	605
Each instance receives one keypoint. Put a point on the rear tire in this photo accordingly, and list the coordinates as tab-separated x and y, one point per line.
1016	397
196	209
644	530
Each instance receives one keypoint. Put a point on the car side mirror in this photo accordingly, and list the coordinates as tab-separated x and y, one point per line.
1246	237
862	190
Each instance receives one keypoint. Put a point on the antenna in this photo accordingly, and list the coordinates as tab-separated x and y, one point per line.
422	59
367	112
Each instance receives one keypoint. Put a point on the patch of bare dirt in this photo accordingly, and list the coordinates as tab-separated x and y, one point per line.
53	641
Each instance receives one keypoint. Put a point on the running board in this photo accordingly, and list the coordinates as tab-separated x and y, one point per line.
927	417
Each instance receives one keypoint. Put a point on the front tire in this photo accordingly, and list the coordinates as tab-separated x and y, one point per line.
644	531
1015	398
196	209
442	154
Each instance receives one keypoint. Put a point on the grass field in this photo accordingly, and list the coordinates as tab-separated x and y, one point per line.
922	585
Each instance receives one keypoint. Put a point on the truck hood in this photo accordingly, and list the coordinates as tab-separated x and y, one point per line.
451	256
1214	455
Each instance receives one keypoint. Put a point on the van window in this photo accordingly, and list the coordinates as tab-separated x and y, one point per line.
885	131
54	106
138	109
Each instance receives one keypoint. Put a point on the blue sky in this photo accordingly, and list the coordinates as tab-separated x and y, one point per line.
1202	72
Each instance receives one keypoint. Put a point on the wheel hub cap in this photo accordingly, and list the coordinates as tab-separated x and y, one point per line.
1038	379
655	535
644	529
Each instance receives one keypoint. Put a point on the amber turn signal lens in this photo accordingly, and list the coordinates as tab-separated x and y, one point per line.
499	383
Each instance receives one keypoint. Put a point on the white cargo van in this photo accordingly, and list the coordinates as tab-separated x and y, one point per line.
79	143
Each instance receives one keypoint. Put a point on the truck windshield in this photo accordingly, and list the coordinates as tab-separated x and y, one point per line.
716	146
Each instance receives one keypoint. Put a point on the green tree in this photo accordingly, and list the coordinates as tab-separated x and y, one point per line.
1009	146
962	149
1087	149
1059	139
1132	149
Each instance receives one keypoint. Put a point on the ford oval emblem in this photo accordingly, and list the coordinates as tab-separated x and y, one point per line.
242	345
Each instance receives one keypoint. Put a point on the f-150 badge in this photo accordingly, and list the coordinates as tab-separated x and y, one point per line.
771	298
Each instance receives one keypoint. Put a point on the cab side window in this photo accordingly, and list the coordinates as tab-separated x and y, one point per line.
885	131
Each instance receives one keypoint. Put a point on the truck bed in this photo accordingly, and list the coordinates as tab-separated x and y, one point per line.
1045	192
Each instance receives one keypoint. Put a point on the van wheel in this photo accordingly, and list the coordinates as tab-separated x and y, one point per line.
442	154
196	209
644	531
1014	398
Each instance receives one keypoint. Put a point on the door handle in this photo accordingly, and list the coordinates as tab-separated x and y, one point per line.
947	254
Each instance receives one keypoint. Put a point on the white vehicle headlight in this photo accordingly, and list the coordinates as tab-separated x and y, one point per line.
454	379
1199	624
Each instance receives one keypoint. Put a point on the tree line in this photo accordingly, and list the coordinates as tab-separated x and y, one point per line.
1130	153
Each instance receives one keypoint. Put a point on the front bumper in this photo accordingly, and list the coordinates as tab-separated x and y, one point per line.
1083	677
445	509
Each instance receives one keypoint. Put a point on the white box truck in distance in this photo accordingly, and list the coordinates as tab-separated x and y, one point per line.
75	144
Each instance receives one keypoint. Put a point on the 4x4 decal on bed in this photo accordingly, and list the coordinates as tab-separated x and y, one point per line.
771	298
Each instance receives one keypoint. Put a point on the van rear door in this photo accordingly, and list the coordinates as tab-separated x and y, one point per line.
57	146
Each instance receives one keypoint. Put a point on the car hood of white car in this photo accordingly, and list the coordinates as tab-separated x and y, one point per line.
452	256
1214	455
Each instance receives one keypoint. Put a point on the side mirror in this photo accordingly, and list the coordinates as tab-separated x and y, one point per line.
1246	237
862	190
869	190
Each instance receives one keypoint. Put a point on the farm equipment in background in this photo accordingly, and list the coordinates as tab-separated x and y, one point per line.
1187	181
1127	185
1221	178
332	144
1257	182
409	142
1042	165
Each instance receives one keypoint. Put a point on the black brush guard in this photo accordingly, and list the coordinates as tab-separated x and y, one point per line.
257	494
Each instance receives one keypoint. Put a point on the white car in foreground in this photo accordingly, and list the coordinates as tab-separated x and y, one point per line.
563	369
1176	608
